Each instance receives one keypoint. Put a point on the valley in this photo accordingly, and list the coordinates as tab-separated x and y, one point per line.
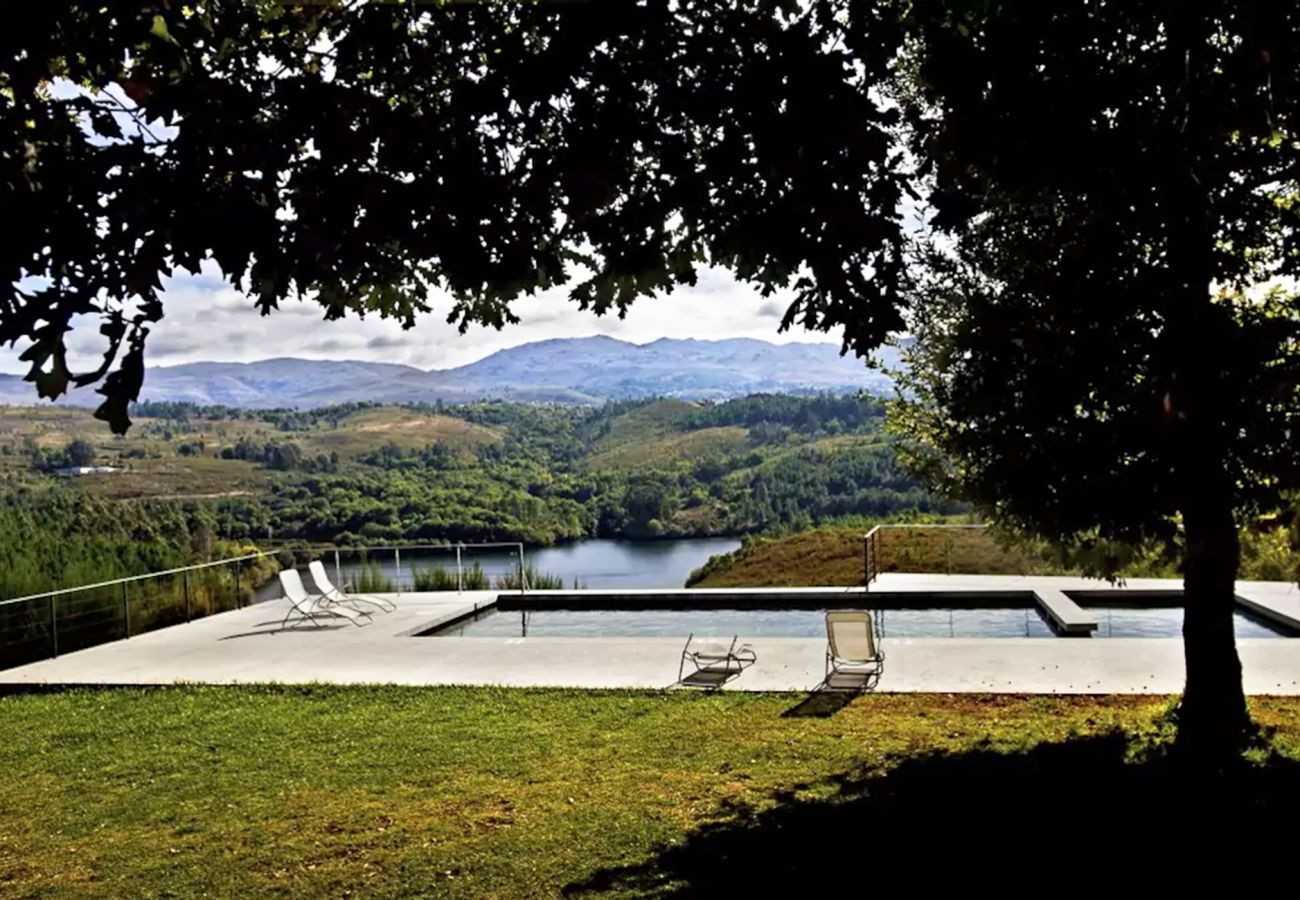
367	473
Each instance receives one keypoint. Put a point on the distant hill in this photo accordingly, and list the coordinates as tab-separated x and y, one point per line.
565	370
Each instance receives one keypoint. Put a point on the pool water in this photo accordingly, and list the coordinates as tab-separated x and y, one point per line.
993	622
1167	621
788	623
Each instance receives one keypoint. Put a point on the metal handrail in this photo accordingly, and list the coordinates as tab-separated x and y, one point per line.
871	545
360	548
45	595
457	547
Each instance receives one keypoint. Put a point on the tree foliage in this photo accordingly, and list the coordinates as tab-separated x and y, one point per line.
1069	339
368	156
1108	340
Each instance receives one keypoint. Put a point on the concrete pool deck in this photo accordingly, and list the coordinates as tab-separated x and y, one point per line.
248	645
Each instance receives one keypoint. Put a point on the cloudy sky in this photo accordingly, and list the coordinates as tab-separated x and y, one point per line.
207	320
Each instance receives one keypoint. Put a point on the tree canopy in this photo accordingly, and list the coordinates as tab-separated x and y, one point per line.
1122	189
1108	342
365	155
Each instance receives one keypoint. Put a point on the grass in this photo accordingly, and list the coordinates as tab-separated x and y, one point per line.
474	792
370	429
833	556
668	449
195	477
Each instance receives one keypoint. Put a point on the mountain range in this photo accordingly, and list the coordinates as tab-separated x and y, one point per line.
563	370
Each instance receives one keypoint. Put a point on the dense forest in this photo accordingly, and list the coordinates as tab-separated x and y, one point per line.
53	538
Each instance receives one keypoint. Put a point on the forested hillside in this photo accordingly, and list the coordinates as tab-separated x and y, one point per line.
52	538
366	473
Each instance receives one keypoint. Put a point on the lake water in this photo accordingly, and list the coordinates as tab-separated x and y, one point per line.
593	563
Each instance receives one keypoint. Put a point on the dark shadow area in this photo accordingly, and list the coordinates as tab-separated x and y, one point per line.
283	629
832	695
708	679
1065	820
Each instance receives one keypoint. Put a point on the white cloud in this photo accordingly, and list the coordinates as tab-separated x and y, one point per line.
206	319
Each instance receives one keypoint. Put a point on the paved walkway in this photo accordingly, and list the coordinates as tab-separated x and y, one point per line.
248	645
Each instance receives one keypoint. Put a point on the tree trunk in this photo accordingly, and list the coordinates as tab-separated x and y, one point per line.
1212	716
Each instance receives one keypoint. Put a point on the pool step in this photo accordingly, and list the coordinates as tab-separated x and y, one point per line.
1068	616
1279	604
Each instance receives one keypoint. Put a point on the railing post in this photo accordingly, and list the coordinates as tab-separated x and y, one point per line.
397	561
338	571
239	600
186	576
126	606
54	622
460	579
522	586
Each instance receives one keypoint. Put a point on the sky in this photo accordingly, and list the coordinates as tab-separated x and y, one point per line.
205	319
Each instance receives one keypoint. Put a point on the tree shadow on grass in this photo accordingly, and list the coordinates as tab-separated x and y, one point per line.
1073	819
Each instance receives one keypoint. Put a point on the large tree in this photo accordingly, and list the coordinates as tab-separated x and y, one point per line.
1099	356
1100	169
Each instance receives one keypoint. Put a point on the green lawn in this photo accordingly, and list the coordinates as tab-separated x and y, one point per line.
494	792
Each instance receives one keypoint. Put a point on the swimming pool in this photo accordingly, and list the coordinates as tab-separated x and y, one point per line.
1126	621
788	623
1134	621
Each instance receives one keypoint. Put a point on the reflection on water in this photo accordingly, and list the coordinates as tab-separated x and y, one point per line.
1117	622
1167	621
790	623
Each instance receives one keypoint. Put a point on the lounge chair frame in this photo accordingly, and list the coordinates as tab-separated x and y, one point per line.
706	658
870	665
335	595
311	606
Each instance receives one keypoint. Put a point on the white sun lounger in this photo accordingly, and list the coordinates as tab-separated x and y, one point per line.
312	608
335	596
851	643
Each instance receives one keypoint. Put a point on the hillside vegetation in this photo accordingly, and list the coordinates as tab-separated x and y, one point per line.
834	557
369	473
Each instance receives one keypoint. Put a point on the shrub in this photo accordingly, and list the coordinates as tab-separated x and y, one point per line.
372	580
535	580
434	579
